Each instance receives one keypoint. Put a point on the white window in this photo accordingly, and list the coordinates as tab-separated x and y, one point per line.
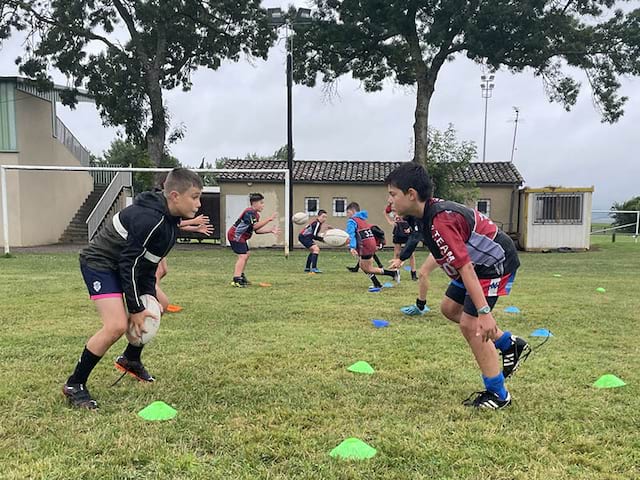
484	206
339	207
558	208
311	205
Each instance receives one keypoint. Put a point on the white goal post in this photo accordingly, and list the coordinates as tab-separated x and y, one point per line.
5	208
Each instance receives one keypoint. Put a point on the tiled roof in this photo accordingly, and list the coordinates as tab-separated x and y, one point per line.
328	171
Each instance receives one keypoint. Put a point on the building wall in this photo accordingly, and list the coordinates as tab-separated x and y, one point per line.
47	200
501	197
536	237
13	205
372	198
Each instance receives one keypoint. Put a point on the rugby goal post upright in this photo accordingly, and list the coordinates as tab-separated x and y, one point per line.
5	196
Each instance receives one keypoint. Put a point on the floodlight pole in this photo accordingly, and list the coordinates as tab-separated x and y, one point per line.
289	221
487	87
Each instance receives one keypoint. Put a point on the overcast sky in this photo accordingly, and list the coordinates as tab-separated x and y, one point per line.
241	108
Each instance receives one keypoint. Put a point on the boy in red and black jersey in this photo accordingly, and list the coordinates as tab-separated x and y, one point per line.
363	244
401	233
481	261
243	229
307	237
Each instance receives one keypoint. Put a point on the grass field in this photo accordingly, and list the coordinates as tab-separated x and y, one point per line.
259	378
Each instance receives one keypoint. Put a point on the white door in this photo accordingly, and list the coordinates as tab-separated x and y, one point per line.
235	204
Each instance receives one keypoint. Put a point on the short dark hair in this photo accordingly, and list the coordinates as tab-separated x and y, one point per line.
255	197
353	206
181	180
320	212
411	175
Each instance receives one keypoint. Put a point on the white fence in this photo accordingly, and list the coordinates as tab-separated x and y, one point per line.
614	228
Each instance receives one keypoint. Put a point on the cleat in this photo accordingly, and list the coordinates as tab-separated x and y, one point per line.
353	269
487	400
133	368
237	284
316	270
414	276
413	310
245	280
307	270
78	396
514	356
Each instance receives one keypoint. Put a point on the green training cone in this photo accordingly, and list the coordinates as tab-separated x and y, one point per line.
601	290
608	381
353	448
361	367
158	411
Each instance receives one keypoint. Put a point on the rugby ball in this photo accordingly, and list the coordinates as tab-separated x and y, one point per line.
151	325
300	218
336	237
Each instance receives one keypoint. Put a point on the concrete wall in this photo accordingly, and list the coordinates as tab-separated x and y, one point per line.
47	201
13	204
372	198
501	197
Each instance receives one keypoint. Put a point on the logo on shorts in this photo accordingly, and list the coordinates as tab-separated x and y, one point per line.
97	286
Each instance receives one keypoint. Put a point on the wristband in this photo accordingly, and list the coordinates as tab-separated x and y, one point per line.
484	310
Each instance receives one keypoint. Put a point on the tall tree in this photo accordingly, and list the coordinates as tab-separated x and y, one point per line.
123	153
447	157
126	52
409	41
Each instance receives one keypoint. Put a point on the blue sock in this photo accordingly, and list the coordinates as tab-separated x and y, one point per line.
504	342
496	385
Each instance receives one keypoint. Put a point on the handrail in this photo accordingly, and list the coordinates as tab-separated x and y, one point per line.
68	139
100	211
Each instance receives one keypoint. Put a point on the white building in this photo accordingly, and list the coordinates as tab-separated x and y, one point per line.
555	217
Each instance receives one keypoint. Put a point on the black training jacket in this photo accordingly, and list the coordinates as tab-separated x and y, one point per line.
132	243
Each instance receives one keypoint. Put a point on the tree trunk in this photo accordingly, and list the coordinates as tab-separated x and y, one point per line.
421	125
156	134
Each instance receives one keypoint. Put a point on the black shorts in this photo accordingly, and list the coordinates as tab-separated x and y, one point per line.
458	294
239	247
101	284
306	240
367	257
400	239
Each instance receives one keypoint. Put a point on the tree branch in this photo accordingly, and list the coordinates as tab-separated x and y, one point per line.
135	37
87	34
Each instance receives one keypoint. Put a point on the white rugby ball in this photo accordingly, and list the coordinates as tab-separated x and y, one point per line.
336	237
300	218
151	325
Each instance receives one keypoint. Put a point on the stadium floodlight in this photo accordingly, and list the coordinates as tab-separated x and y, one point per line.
5	197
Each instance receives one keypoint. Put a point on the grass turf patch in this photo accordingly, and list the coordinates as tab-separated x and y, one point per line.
259	378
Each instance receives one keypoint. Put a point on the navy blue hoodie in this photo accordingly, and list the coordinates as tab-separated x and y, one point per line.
132	243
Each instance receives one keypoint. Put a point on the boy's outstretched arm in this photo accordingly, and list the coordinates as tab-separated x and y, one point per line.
411	245
262	223
351	230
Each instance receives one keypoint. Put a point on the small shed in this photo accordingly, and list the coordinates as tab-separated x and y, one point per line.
555	217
